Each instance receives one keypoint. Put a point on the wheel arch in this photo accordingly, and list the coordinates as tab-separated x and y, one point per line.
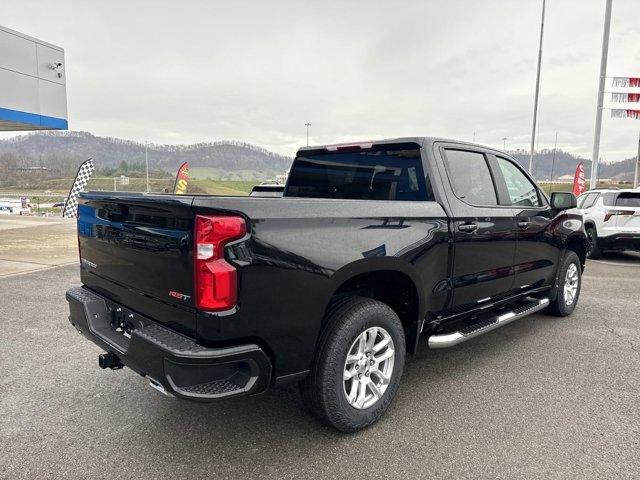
578	244
391	281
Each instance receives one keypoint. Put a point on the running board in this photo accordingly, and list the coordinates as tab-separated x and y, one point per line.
475	330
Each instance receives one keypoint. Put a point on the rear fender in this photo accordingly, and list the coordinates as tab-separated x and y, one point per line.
371	265
391	265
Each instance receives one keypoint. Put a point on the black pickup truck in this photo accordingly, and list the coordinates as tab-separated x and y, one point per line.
371	246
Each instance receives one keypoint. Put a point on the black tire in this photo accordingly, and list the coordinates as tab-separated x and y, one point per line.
593	251
323	391
561	307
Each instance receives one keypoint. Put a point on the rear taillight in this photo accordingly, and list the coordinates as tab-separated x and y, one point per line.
216	282
612	213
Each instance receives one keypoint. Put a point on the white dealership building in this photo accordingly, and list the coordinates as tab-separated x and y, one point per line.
33	92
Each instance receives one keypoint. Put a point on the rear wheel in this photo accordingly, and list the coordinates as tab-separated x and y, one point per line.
569	284
358	365
593	251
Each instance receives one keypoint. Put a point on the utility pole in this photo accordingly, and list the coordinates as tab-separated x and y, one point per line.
553	161
307	125
537	94
603	74
504	143
146	160
636	177
474	137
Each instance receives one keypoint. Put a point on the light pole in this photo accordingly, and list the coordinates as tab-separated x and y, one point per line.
603	72
146	160
307	125
504	143
537	94
553	161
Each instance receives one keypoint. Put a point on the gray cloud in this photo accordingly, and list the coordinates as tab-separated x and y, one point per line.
181	72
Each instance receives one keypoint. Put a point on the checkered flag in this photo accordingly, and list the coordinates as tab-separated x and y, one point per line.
82	178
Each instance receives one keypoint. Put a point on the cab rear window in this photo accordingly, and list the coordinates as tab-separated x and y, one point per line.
386	172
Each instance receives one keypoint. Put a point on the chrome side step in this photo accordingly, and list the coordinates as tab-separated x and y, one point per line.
471	331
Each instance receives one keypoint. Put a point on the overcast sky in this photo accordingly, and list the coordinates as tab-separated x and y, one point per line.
256	71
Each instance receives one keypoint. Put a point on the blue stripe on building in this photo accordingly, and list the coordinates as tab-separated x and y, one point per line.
33	119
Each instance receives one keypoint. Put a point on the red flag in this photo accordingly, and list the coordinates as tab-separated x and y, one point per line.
626	82
182	178
579	183
625	97
625	113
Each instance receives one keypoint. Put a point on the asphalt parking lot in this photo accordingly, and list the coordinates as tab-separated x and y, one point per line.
540	398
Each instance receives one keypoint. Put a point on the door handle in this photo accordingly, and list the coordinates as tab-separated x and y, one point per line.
468	227
523	225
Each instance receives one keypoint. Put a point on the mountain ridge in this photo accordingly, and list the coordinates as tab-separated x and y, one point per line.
64	151
49	148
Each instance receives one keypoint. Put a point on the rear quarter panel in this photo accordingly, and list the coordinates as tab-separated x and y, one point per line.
299	251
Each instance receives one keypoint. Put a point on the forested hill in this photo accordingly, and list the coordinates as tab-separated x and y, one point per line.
60	150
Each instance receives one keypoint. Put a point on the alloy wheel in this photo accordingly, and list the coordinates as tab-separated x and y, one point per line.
368	367
571	284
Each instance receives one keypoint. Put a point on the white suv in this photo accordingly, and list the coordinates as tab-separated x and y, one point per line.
611	219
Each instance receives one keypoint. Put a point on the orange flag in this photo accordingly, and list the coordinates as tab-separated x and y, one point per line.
182	179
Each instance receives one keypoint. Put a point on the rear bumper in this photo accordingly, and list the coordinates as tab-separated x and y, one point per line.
620	241
170	360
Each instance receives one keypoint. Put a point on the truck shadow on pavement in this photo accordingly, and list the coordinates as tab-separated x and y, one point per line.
278	417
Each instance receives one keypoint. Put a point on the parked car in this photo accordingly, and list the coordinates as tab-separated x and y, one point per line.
330	285
612	220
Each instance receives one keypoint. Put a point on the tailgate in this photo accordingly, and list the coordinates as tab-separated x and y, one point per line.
627	212
138	250
628	220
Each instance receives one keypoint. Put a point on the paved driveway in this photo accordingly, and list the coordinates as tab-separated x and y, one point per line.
539	398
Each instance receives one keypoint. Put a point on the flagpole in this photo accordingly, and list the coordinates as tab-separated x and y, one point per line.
603	72
537	94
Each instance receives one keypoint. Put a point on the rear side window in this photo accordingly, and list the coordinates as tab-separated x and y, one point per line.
470	177
608	199
383	173
628	199
521	191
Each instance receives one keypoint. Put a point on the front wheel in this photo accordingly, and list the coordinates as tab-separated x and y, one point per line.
358	365
569	284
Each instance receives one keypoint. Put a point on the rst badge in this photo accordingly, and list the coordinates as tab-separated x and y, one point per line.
179	296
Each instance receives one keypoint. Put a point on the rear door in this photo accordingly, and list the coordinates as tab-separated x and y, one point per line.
536	253
484	232
627	212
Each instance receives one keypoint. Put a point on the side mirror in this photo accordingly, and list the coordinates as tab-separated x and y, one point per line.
563	201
